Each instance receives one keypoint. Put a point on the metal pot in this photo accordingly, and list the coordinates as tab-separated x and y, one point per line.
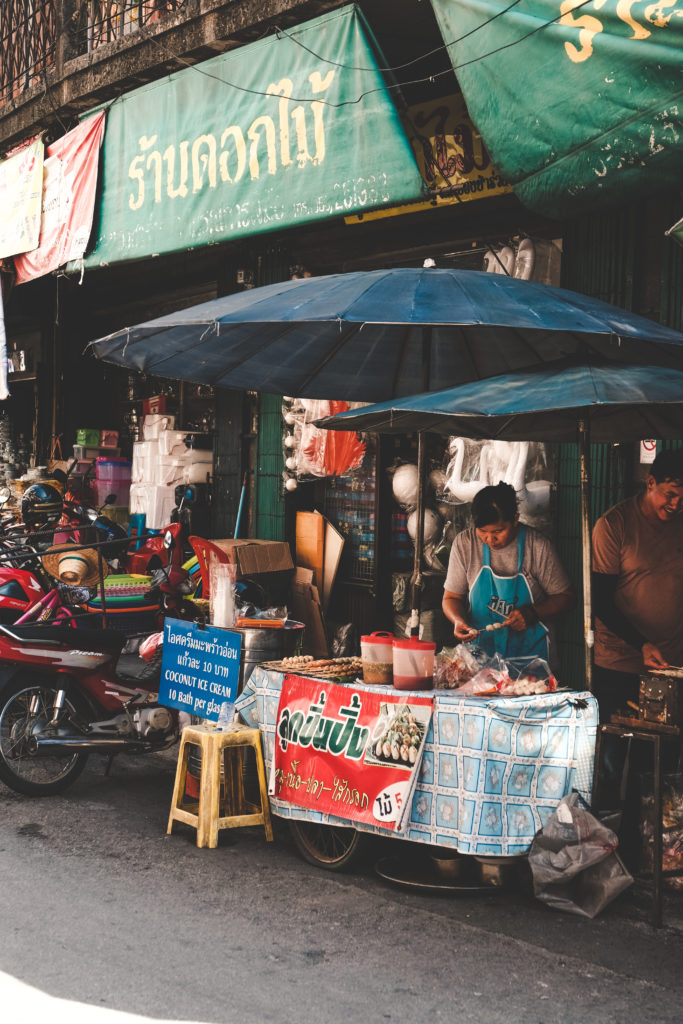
263	644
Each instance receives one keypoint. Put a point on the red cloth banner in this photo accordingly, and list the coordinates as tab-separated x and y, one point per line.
347	751
69	184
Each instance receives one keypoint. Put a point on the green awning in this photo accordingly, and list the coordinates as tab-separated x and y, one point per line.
297	127
579	104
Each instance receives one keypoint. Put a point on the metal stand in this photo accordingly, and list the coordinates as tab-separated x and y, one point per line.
655	738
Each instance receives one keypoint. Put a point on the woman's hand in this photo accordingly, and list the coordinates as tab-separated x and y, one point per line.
463	631
521	618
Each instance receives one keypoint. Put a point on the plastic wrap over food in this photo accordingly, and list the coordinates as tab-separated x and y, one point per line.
472	671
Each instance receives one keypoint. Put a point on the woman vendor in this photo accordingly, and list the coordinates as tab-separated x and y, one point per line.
501	572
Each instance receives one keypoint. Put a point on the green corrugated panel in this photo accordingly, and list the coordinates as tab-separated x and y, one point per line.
272	265
600	255
609	484
270	506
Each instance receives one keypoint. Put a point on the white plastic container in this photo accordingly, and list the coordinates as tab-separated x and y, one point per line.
414	664
172	442
197	463
155	423
377	656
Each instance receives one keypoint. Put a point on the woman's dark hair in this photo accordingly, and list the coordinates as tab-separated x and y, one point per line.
494	505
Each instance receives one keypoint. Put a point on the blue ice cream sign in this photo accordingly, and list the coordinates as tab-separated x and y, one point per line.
199	669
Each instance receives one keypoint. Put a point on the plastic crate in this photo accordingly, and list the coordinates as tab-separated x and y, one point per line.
103	488
113	469
88	437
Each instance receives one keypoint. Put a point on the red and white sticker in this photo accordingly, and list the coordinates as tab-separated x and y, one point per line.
648	451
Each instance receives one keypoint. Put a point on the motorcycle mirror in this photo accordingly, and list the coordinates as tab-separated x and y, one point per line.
59	474
110	499
5	495
168	540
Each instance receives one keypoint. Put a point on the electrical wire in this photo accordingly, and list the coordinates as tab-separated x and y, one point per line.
384	87
399	67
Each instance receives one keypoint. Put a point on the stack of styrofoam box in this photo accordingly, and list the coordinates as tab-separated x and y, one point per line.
161	461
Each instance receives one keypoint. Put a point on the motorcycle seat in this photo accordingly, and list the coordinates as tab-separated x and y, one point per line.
131	668
98	639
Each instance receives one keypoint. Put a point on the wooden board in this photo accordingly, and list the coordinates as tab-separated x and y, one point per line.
310	544
334	545
644	725
305	607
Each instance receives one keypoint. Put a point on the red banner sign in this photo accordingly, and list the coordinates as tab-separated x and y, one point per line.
348	752
69	184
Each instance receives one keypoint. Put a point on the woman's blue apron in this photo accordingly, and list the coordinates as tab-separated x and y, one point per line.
492	598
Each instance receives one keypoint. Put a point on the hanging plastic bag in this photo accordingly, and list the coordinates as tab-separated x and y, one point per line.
574	862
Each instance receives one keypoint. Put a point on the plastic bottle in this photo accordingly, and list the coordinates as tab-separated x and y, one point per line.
226	716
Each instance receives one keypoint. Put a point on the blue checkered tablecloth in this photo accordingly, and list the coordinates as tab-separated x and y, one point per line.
492	769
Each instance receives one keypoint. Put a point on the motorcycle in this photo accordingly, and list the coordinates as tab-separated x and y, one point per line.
66	693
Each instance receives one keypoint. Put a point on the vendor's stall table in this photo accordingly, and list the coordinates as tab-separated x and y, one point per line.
492	770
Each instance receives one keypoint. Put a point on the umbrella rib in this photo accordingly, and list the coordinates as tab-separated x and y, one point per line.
401	360
255	349
131	342
344	337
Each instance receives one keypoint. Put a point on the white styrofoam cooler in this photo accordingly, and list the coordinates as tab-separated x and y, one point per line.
156	501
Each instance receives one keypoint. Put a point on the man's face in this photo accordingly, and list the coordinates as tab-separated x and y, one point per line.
664	500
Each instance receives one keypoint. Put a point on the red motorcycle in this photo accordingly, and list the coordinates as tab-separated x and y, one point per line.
65	693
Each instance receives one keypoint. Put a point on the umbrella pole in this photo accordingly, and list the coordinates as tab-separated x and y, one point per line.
417	581
588	635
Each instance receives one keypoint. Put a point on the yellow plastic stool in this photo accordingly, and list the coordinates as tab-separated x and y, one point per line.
237	810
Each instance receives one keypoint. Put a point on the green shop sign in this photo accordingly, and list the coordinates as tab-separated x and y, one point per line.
574	100
294	128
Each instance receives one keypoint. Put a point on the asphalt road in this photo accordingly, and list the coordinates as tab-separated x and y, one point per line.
101	907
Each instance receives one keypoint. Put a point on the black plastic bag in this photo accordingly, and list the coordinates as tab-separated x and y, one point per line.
574	862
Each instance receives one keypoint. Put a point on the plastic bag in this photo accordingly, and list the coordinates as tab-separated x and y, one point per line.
150	645
574	863
527	676
489	677
455	666
672	826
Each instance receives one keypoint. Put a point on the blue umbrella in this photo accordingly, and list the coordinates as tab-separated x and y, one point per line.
616	402
371	336
565	402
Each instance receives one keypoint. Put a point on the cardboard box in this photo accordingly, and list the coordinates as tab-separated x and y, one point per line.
305	607
257	556
157	403
319	546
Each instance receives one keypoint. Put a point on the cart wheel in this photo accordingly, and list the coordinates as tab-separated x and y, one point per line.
328	846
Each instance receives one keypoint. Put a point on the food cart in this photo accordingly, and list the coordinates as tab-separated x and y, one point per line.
490	769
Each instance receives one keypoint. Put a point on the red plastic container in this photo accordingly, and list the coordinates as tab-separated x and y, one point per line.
414	664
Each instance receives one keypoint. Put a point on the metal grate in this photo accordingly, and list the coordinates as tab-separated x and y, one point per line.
28	34
104	21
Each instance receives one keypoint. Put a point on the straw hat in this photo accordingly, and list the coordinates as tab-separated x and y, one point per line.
76	568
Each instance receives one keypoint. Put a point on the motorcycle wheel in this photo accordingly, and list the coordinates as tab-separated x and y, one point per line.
24	772
331	847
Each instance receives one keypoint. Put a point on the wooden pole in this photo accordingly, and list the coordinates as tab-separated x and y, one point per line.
417	581
588	635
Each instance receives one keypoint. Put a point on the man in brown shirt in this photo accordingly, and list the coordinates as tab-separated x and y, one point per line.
638	585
